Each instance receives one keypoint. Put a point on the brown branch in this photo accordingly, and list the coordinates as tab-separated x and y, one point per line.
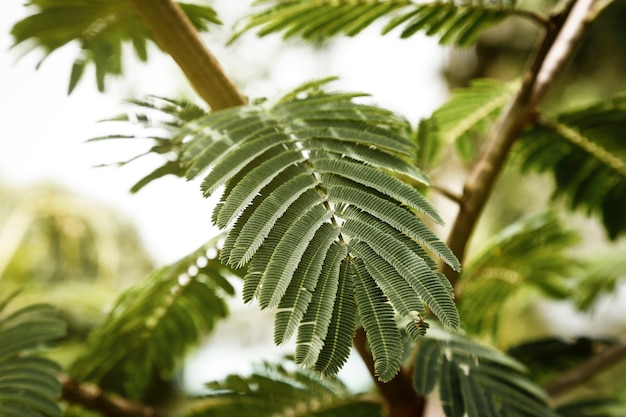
577	376
93	398
520	111
175	34
398	397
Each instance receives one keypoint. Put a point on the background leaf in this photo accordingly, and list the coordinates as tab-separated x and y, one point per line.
101	27
153	325
455	22
28	383
584	151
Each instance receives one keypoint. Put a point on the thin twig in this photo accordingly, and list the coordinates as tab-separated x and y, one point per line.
532	16
93	398
452	196
577	376
520	111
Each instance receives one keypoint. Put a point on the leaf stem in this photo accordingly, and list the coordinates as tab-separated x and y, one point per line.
173	32
581	374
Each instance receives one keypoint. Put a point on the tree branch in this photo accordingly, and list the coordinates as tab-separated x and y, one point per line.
398	397
91	397
577	376
173	31
561	36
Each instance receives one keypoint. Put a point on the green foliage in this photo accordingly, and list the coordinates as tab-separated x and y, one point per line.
163	117
530	253
584	150
311	184
28	382
154	323
273	390
455	22
601	276
470	113
101	27
474	380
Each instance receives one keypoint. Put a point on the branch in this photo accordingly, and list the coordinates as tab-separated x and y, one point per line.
175	34
91	397
577	376
399	398
567	29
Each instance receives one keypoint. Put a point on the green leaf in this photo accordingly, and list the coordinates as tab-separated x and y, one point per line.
159	119
475	380
469	114
154	323
602	274
584	151
100	27
455	22
530	253
28	384
305	181
273	390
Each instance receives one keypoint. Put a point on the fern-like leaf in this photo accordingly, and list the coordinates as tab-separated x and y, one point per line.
456	22
159	119
469	113
584	150
100	27
311	183
154	324
601	276
275	391
28	383
529	253
475	380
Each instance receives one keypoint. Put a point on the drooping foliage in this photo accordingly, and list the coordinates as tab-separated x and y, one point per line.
528	254
474	380
154	323
28	382
101	27
454	22
318	210
465	118
274	390
584	151
159	118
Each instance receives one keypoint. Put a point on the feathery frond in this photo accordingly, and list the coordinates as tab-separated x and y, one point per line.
470	112
584	150
154	324
455	22
28	383
528	253
602	274
475	380
101	27
273	390
160	118
310	184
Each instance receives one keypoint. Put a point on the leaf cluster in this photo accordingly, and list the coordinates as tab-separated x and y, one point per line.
154	324
28	382
455	22
319	211
101	28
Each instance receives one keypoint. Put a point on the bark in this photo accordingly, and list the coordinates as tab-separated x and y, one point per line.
175	34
